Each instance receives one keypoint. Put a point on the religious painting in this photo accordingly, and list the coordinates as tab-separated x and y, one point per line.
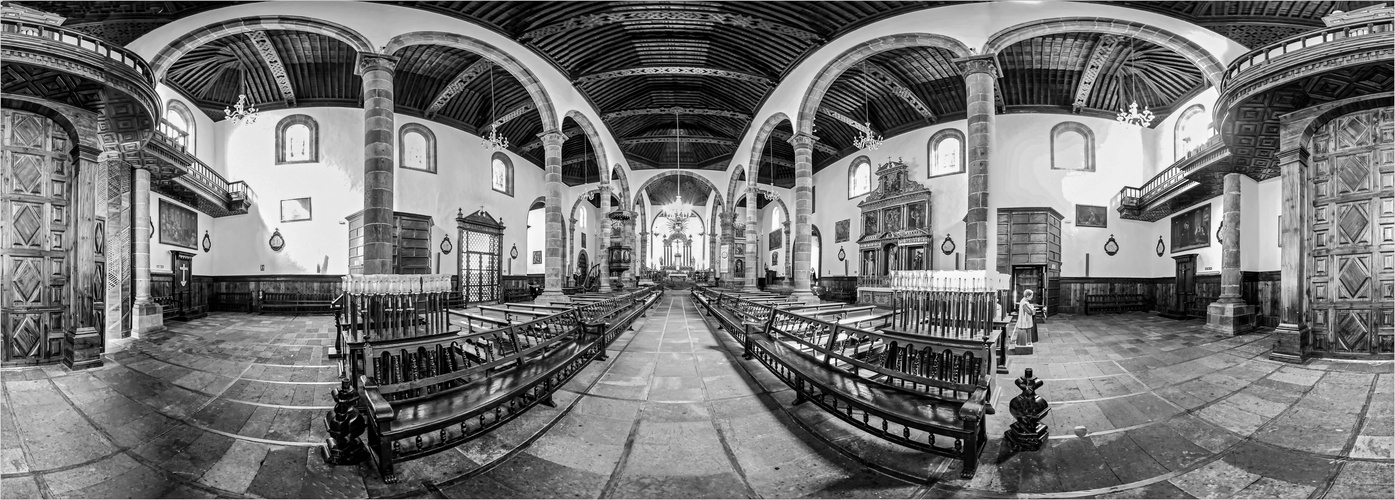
777	238
179	226
1091	216
740	249
893	219
583	240
774	258
915	217
1192	229
869	223
294	210
740	267
537	256
840	231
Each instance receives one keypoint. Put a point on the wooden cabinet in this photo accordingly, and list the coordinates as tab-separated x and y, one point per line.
1029	249
411	243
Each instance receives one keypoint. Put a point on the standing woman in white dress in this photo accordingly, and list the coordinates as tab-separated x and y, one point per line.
1025	323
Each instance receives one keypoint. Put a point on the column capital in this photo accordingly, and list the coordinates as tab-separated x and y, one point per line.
552	138
787	225
573	219
728	217
90	153
983	63
372	61
802	140
1297	153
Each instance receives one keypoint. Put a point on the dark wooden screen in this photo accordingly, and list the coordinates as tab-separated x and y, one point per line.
34	241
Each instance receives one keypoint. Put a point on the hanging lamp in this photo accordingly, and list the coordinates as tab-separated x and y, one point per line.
241	111
865	139
495	141
1133	116
677	210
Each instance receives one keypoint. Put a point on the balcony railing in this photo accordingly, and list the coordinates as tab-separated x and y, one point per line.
1164	181
80	40
1278	50
173	135
208	178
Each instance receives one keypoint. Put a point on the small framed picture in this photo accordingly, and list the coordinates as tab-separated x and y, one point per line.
537	256
1091	216
294	210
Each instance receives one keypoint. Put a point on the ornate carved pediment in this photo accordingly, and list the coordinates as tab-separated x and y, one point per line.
894	186
898	210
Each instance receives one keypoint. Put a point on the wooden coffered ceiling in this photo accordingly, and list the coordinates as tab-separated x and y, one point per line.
662	191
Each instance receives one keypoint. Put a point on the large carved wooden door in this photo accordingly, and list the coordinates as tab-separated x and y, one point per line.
33	222
1351	280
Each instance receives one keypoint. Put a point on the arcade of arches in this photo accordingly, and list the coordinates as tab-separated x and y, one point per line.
677	249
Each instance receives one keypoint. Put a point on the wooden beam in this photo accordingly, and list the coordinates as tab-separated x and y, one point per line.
694	140
1099	56
666	14
900	89
514	113
668	111
672	70
273	61
457	84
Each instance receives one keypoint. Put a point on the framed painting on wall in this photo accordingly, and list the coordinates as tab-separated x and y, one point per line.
1192	229
295	210
840	231
777	238
1091	216
537	256
774	258
179	226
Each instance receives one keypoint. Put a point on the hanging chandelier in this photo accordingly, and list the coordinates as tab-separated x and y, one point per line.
678	211
495	141
241	111
865	139
1133	116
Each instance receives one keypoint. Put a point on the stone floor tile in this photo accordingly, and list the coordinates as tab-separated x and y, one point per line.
1217	479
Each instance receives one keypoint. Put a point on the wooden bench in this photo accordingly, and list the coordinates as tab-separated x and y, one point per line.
1114	303
232	301
841	311
428	394
902	388
803	309
877	320
297	303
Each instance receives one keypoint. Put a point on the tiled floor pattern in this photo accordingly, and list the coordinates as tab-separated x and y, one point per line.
230	405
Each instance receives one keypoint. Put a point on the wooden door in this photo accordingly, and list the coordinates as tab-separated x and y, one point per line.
1351	261
33	226
188	303
1184	283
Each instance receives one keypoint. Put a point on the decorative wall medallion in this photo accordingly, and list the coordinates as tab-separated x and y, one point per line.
948	246
842	256
276	241
207	242
1161	247
513	252
1111	247
446	246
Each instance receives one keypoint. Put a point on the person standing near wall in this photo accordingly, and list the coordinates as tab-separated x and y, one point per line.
1026	324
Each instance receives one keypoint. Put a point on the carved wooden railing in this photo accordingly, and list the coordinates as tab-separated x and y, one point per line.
173	135
1295	45
81	41
1138	197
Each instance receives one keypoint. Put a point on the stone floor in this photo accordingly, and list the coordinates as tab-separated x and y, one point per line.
230	406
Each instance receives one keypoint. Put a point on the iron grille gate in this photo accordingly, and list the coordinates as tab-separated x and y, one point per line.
481	252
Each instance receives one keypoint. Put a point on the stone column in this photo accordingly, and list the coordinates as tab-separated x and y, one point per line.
552	212
629	239
803	209
980	74
378	161
604	237
1229	313
146	315
752	221
643	250
728	220
1292	343
789	256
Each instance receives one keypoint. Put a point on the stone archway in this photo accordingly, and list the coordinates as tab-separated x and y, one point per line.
196	38
686	176
813	97
737	185
591	135
525	76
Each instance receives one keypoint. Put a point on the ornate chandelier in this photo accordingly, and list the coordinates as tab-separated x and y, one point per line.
865	139
1132	116
677	211
241	111
495	141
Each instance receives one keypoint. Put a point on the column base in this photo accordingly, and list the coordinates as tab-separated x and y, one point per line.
82	349
146	317
551	296
1230	318
1292	344
805	296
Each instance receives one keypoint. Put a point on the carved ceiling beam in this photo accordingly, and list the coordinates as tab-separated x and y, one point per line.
1099	56
273	61
819	146
514	113
727	19
457	84
673	70
694	140
668	111
901	90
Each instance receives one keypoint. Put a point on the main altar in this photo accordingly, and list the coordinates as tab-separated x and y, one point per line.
895	230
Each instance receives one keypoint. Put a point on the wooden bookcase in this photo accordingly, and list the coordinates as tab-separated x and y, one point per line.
1029	250
411	243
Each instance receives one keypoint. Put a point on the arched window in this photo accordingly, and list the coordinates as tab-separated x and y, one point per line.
1193	129
417	147
946	153
297	140
501	174
860	177
179	118
1072	147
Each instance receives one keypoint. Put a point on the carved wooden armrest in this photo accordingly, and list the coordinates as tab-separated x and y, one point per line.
972	410
378	407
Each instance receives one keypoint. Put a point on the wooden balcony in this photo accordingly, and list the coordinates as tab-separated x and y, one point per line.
1187	181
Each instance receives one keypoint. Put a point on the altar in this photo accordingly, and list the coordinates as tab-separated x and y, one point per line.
895	225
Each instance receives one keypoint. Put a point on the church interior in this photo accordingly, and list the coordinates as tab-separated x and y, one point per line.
718	249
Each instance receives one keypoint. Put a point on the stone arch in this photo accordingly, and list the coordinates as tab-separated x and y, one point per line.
183	44
583	197
774	198
809	107
623	179
530	81
734	189
690	175
762	135
1210	68
591	135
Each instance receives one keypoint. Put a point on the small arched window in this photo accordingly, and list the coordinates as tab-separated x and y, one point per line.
1072	147
181	123
1193	129
501	173
860	177
418	147
946	153
297	140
